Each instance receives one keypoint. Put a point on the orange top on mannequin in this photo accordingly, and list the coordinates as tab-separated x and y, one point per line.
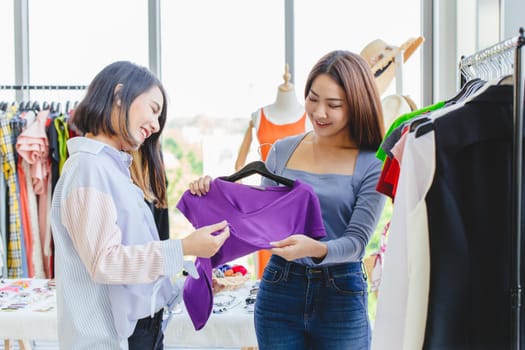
285	117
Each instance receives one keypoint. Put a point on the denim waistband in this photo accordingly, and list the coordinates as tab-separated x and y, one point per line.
316	271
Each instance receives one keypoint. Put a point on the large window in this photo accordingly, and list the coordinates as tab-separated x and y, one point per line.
7	71
221	60
70	41
350	25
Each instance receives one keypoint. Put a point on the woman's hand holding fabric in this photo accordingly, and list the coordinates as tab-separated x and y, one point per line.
299	246
205	242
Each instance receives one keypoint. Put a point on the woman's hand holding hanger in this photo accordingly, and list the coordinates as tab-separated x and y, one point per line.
201	186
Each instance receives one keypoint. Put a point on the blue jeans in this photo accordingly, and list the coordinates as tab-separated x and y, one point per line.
148	334
299	307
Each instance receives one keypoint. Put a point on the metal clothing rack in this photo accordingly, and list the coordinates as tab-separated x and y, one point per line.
23	94
43	87
500	54
497	50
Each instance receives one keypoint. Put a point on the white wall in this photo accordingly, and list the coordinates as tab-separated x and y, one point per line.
445	54
513	17
462	28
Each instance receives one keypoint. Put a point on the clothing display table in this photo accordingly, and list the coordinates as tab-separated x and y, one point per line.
230	324
28	312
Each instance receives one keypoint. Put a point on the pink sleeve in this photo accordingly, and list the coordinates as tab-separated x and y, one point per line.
90	217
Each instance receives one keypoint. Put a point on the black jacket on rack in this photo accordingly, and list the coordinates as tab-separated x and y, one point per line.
469	215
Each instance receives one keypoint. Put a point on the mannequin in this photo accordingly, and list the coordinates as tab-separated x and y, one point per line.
286	116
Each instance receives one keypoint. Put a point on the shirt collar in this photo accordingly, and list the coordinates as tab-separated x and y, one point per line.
84	144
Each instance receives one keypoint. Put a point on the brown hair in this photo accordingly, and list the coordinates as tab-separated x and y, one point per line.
353	74
93	115
154	192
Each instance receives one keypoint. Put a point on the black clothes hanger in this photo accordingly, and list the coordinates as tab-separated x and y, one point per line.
466	90
258	167
424	128
418	121
58	108
35	106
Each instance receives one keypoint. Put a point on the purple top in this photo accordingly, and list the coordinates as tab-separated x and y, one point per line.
256	216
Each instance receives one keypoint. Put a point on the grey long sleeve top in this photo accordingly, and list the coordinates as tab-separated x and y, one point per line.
350	204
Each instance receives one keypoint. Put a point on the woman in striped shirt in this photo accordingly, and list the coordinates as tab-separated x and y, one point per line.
111	267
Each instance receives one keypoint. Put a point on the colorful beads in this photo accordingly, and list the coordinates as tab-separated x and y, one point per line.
231	270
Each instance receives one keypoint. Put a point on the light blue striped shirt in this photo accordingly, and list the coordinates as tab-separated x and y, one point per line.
111	268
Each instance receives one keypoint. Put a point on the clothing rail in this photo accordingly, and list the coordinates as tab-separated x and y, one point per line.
43	87
484	54
490	63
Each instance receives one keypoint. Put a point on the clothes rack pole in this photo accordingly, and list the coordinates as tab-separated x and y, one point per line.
517	188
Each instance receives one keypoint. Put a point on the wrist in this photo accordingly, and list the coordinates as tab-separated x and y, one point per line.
186	247
320	251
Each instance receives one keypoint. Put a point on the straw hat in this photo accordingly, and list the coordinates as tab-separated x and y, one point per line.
394	106
381	58
410	102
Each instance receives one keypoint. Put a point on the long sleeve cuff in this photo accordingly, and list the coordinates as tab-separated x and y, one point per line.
174	259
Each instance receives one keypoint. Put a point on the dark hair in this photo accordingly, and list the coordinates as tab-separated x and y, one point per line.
93	114
353	74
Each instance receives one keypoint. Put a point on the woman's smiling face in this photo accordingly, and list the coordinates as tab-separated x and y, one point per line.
327	107
144	114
